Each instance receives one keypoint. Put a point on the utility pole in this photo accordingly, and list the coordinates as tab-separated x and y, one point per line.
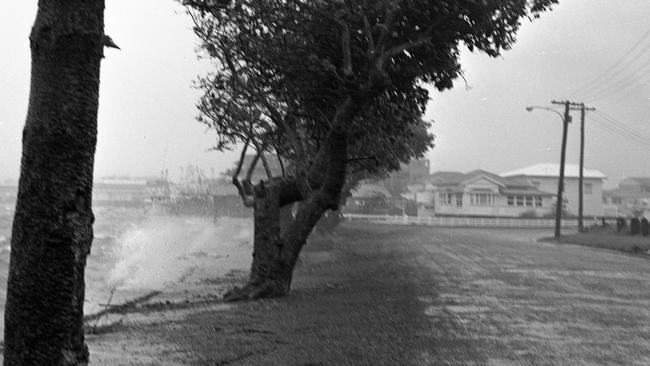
560	186
583	109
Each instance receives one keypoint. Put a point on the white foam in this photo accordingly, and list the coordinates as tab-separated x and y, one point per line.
164	250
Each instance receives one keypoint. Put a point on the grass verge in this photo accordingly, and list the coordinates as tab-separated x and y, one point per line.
608	238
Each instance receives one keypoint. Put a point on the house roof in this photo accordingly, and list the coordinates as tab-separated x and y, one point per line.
455	178
445	177
508	185
478	174
534	192
552	170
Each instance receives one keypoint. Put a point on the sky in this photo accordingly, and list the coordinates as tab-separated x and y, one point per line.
579	51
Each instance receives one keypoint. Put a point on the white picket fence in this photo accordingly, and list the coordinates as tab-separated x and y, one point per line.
497	222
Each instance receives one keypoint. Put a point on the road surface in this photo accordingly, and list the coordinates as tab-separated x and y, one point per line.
412	295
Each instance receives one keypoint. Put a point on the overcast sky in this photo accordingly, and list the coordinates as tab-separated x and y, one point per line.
578	51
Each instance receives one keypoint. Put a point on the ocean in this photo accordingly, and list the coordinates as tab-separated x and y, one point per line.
134	253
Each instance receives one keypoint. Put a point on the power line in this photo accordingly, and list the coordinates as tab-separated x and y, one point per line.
625	92
621	131
624	59
622	125
620	84
603	123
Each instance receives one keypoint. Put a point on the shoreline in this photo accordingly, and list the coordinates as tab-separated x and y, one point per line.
336	304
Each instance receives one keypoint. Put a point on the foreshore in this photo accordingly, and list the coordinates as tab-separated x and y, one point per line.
346	308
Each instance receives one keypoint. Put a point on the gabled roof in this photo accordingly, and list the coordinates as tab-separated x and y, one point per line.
479	173
446	177
553	170
517	185
455	178
530	191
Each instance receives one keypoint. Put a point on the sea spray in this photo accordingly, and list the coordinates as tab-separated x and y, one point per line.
163	251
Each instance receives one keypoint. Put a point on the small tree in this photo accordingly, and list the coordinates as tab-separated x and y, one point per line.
326	84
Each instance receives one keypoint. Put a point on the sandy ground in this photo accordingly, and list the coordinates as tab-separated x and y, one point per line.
389	295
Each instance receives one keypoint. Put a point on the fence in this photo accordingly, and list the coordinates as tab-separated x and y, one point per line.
444	221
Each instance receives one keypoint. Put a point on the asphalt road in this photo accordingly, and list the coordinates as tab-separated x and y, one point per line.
501	298
409	295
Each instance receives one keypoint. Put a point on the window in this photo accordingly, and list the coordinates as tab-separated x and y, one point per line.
459	199
617	200
588	188
520	200
445	199
529	201
482	199
538	201
511	200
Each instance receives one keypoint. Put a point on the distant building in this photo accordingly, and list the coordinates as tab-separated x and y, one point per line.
481	193
120	192
545	178
631	198
415	172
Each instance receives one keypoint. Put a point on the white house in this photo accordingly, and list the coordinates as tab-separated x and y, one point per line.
545	178
481	193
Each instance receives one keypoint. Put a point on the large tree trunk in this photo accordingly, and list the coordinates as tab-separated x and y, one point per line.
276	248
52	229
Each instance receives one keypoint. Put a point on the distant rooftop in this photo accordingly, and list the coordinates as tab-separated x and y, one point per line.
553	170
455	178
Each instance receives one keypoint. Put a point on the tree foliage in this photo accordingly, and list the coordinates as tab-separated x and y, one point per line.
283	67
329	84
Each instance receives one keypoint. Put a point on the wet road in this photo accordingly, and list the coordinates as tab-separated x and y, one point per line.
412	295
500	298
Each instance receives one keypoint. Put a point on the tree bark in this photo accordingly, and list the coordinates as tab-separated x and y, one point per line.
52	228
276	249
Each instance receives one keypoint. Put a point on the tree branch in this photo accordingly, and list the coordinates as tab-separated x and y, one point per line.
251	167
385	28
396	50
277	153
279	121
260	154
347	52
371	40
243	190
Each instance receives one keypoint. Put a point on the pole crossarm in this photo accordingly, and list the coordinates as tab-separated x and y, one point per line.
566	119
